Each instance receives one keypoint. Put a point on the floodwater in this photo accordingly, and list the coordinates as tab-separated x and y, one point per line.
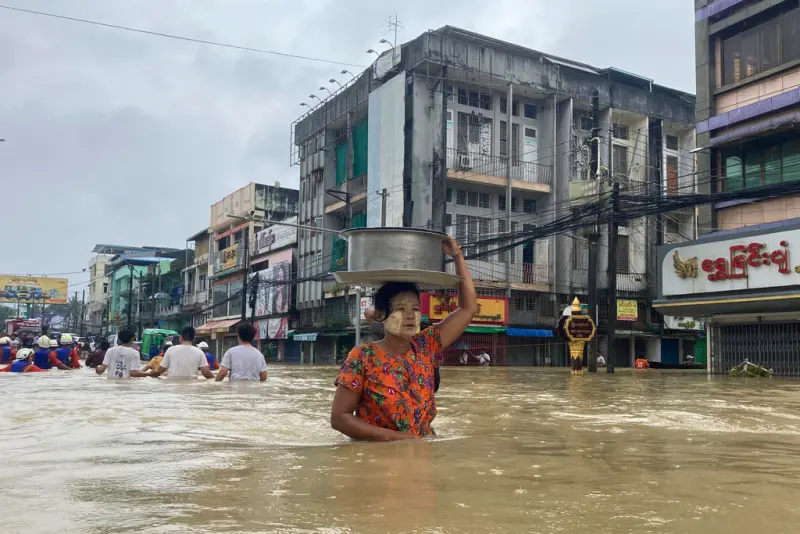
519	450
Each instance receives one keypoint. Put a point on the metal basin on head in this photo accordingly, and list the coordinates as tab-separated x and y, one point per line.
372	249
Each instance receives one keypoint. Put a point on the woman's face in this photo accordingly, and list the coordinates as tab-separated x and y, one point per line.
405	318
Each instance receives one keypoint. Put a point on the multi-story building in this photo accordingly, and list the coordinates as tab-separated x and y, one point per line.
459	132
98	292
233	226
738	278
273	266
196	296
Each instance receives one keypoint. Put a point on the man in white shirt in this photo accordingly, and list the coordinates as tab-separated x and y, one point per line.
121	361
184	360
243	362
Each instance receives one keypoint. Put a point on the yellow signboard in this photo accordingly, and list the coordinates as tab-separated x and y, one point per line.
627	310
229	257
28	289
492	310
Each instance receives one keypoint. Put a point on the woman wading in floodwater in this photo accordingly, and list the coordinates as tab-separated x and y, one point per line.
385	390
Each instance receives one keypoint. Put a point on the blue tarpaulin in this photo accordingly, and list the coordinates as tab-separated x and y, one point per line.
528	332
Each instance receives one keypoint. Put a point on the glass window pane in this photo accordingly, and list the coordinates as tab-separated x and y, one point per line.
752	168
733	173
791	161
772	165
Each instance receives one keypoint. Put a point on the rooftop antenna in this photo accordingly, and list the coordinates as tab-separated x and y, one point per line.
391	24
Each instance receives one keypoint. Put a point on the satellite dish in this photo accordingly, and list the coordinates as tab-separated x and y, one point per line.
277	185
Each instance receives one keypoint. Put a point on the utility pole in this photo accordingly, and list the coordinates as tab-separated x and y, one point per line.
130	296
439	186
358	316
246	268
139	306
383	195
153	297
254	299
83	312
594	237
74	310
509	151
611	337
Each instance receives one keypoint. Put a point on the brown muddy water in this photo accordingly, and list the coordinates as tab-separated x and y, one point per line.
519	450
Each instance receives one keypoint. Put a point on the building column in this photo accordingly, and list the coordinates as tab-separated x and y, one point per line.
631	349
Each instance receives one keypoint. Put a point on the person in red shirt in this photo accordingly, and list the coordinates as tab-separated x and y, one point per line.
23	363
53	357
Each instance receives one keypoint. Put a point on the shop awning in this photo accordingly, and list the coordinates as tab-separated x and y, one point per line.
309	336
474	329
335	334
528	332
698	306
219	327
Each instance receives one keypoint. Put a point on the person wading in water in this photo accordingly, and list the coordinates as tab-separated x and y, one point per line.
385	390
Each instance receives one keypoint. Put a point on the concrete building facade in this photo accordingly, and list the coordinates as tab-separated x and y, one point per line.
748	106
462	133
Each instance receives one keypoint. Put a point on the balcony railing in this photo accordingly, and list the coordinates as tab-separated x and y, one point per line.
626	282
531	317
476	163
518	273
196	299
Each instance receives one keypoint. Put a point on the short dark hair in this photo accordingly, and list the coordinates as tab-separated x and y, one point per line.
188	333
388	291
105	345
124	336
247	332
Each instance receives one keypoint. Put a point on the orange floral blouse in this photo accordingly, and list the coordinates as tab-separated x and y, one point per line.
396	391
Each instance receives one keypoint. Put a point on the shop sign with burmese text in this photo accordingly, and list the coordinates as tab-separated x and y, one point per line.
763	261
491	310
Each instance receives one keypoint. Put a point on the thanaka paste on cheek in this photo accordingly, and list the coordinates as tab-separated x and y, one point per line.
394	323
417	321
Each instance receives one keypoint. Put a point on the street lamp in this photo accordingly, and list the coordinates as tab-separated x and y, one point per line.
323	88
384	41
314	96
336	82
371	51
304	104
345	71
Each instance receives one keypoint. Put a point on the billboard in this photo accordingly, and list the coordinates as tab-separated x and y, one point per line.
274	290
438	307
275	237
24	289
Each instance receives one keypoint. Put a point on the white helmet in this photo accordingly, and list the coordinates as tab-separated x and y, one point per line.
24	354
202	345
66	339
44	342
16	342
168	343
4	341
53	344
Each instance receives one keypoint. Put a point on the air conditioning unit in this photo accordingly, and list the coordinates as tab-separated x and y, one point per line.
464	162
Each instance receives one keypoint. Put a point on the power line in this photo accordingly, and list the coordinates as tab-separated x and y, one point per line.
180	37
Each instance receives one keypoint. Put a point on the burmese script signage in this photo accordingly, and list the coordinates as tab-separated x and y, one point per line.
579	328
275	237
491	310
753	262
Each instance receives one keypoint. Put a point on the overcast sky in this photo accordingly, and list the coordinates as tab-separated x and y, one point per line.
119	137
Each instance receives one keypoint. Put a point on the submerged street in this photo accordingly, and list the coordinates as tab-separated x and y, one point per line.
519	450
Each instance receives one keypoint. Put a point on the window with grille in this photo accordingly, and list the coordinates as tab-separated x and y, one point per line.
472	199
514	207
462	97
672	142
623	254
529	110
449	93
502	256
485	200
503	139
449	195
514	230
525	301
448	219
620	131
475	99
475	133
461	197
586	123
529	206
501	202
515	143
620	161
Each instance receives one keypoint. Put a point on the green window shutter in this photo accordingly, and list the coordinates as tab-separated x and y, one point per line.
359	220
733	173
360	134
341	163
791	161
